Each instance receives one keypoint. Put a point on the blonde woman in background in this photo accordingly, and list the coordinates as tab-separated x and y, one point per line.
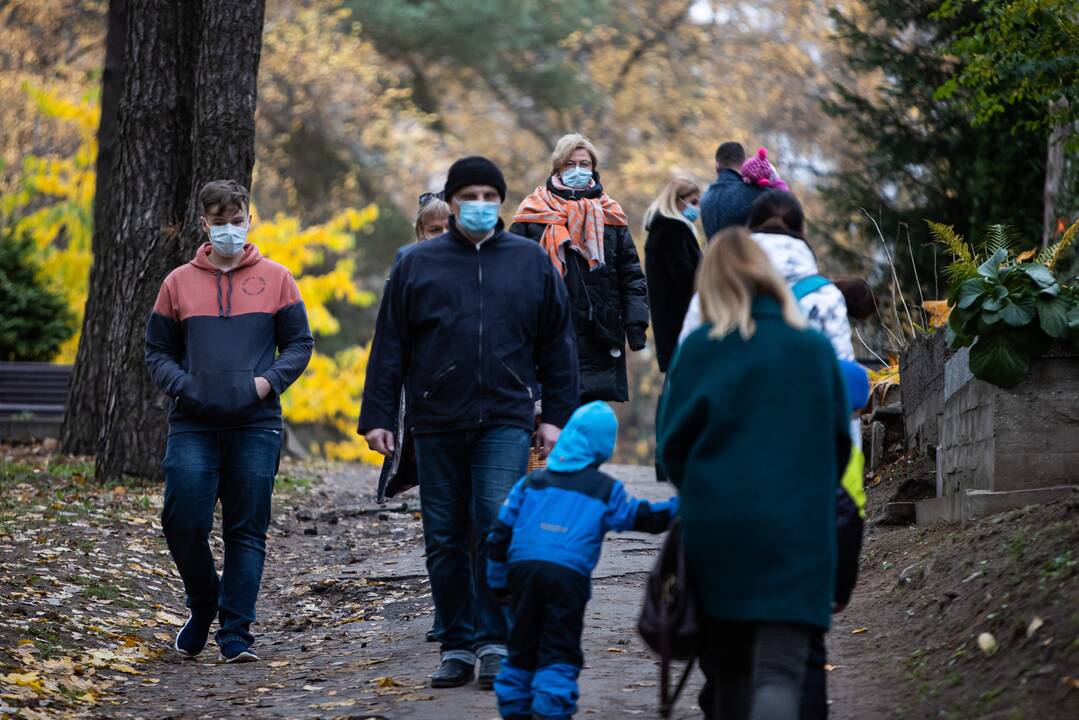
433	216
671	255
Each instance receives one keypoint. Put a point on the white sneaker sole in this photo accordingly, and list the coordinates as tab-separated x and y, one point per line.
245	657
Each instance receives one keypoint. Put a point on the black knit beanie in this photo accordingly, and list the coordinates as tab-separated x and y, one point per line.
474	170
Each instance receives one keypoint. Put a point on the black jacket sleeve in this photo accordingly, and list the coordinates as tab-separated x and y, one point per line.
849	528
556	350
387	364
631	283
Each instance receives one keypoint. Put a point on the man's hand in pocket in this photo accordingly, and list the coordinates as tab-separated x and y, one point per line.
262	387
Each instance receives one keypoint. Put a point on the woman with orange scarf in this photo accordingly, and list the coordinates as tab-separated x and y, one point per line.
586	235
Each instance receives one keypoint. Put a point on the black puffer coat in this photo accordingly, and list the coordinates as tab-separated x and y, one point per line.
610	304
671	255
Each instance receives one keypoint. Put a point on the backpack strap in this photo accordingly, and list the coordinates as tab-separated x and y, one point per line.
808	285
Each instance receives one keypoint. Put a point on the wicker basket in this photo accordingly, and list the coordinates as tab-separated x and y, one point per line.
534	461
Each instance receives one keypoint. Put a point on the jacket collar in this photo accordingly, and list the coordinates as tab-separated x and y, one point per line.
457	236
766	306
728	175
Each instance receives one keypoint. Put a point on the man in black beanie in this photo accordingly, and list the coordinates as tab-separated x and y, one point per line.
472	323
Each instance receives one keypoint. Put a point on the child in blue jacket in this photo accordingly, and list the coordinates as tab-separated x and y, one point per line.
541	554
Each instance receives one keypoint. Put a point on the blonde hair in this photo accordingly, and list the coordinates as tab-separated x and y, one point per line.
434	208
565	147
733	272
666	205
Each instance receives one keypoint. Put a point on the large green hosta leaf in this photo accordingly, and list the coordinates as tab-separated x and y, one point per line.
1053	316
1000	359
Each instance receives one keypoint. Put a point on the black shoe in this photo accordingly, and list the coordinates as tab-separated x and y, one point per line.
431	636
490	665
192	636
452	673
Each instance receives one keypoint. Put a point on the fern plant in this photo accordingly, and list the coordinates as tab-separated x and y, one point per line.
1006	307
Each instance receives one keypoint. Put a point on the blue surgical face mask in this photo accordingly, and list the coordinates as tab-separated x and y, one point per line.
691	213
228	240
577	177
477	216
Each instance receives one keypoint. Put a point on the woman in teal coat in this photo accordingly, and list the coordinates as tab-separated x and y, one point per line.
754	430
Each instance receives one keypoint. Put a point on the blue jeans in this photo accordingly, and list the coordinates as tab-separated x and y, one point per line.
237	466
465	476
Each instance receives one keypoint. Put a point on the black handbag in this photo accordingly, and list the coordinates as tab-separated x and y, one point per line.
669	623
399	470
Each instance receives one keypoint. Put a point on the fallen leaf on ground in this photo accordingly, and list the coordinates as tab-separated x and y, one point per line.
1036	623
859	631
987	643
615	650
312	687
279	663
386	681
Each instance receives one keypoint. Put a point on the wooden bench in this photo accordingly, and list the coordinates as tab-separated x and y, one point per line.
32	400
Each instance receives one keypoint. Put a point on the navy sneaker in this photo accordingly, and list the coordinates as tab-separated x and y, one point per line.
192	636
236	652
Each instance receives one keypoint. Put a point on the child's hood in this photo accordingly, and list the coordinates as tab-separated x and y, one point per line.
588	439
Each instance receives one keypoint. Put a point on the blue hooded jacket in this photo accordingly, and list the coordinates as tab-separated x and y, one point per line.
560	514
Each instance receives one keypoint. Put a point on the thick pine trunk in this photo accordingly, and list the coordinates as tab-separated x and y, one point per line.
186	116
82	419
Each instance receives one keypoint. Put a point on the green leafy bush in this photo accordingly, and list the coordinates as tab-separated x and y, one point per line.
34	320
1007	308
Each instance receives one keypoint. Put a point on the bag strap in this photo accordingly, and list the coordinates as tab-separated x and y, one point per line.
809	285
666	704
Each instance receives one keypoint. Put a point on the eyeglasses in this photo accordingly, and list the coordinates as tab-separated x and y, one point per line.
429	196
583	165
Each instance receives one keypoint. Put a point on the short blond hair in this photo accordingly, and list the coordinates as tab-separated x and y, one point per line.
429	211
565	147
733	272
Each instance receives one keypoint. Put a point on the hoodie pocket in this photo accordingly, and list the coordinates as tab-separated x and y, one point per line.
219	395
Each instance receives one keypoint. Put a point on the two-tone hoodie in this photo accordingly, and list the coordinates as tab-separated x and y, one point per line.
213	331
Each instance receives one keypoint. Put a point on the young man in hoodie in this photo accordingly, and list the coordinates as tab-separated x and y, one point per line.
542	551
227	336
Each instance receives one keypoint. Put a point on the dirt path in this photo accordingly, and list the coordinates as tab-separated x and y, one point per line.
342	618
89	599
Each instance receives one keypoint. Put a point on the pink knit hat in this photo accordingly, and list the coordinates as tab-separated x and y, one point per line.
758	171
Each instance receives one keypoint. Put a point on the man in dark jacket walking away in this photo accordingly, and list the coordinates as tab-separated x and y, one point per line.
585	234
227	336
470	323
728	199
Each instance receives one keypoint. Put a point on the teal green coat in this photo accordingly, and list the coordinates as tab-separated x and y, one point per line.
755	434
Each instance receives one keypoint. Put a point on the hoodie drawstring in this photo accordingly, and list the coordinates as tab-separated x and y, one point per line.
220	308
224	305
228	306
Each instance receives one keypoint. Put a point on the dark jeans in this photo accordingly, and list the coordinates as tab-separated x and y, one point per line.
753	671
464	478
237	466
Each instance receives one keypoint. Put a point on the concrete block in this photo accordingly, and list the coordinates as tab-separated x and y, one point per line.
921	367
877	445
973	504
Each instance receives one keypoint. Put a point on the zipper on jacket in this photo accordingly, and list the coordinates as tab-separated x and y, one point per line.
437	383
520	382
479	364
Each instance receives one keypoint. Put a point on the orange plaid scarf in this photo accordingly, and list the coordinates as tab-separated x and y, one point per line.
579	223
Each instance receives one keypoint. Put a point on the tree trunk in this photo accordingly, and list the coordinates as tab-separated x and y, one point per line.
1054	175
82	418
186	116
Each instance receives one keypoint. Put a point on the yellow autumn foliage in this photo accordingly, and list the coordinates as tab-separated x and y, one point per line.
53	204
